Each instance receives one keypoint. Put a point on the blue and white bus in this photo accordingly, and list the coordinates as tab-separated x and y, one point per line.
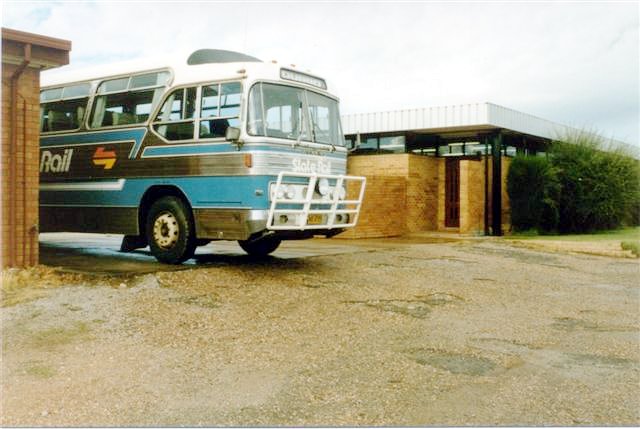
220	146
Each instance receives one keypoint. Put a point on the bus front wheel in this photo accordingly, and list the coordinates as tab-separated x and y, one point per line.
170	231
259	247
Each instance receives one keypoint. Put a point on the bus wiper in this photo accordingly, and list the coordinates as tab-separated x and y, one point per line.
297	142
313	127
313	131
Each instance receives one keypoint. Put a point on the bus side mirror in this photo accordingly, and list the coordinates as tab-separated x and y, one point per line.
232	134
354	144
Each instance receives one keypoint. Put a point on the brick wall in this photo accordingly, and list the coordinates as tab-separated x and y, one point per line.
383	211
441	194
25	250
472	190
400	195
424	195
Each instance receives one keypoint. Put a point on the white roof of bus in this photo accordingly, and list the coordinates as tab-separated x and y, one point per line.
182	72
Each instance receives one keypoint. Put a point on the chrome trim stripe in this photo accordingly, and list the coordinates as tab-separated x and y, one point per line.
89	205
207	149
199	149
222	207
117	185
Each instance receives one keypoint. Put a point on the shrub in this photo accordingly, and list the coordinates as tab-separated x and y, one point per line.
600	188
633	246
533	189
581	187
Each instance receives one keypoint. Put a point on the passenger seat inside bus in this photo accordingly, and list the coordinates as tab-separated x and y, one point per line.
58	121
124	118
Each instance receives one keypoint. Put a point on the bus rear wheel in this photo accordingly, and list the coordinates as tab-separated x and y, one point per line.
260	247
170	231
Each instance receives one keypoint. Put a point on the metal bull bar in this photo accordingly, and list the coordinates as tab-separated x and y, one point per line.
298	205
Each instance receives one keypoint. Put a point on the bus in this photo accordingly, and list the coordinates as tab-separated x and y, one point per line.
221	146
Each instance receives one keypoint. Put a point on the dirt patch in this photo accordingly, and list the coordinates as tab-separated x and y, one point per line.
420	307
455	363
32	283
477	333
609	248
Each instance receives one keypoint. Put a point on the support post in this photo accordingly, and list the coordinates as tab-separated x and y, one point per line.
496	185
485	142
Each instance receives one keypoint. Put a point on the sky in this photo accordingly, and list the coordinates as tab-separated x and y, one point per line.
576	63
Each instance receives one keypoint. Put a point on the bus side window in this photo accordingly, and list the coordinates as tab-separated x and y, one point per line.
128	100
63	109
63	115
175	121
220	109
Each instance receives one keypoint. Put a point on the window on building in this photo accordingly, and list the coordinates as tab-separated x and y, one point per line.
127	100
63	109
509	151
394	144
451	149
427	151
473	148
368	144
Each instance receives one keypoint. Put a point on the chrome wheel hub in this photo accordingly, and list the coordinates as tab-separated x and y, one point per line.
166	230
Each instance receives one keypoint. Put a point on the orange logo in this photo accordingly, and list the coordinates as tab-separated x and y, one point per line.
106	158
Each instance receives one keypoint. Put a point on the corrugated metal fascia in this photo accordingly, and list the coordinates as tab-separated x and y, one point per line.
503	117
451	116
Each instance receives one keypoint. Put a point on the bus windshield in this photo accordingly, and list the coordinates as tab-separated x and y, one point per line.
294	114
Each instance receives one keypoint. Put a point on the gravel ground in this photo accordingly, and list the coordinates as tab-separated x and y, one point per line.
478	332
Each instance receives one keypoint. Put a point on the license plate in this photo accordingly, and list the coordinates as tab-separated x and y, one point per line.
314	219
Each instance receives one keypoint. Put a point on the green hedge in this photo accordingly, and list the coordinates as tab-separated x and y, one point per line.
579	187
533	188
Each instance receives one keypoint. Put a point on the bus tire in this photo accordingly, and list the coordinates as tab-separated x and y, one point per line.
170	231
260	247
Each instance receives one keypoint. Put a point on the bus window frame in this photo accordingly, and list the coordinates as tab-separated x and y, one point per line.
288	83
95	95
89	97
198	111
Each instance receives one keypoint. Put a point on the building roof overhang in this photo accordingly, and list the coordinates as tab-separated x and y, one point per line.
46	52
463	120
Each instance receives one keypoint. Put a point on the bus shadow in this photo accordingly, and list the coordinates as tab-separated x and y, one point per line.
106	259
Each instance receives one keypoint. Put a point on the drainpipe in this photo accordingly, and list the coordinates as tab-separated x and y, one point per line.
33	229
13	150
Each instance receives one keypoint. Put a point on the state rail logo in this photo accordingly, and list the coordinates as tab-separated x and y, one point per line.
106	158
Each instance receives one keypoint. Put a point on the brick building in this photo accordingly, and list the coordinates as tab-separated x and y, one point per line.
439	168
24	56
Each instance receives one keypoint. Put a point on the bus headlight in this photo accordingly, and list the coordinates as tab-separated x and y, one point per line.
284	191
289	192
323	186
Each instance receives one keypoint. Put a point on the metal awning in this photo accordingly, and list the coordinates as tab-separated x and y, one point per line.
461	119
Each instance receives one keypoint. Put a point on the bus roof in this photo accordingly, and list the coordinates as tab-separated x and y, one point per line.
199	66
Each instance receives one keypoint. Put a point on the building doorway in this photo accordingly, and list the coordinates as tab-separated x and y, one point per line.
452	193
